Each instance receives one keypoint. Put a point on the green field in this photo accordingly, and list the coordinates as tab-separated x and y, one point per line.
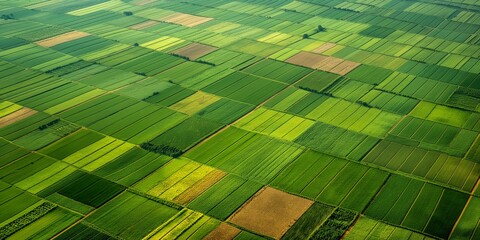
272	119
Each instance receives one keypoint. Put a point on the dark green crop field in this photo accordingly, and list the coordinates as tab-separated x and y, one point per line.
240	119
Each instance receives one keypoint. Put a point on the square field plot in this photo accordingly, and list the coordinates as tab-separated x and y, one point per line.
271	212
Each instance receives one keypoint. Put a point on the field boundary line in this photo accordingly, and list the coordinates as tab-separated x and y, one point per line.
472	193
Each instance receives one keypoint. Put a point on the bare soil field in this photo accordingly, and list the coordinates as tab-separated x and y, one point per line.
224	231
271	212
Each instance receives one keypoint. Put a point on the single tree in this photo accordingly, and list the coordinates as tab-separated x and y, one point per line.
305	36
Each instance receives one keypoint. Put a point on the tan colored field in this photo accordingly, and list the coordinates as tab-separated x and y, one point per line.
16	116
224	231
345	67
329	64
271	212
186	19
143	25
306	59
62	38
324	63
195	50
324	47
199	187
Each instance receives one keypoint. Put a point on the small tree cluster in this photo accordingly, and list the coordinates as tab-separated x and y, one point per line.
336	225
162	149
309	89
180	56
7	16
46	125
205	62
320	28
365	104
128	13
26	219
152	95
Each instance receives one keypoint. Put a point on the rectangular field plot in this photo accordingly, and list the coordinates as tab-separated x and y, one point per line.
275	124
194	51
277	70
348	89
245	88
225	111
178	179
247	154
130	216
338	112
186	19
447	115
131	166
80	187
418	205
317	81
98	153
157	91
336	141
224	197
194	103
433	136
147	122
325	63
434	166
331	180
226	58
112	79
62	38
147	62
367	228
418	87
187	133
389	102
